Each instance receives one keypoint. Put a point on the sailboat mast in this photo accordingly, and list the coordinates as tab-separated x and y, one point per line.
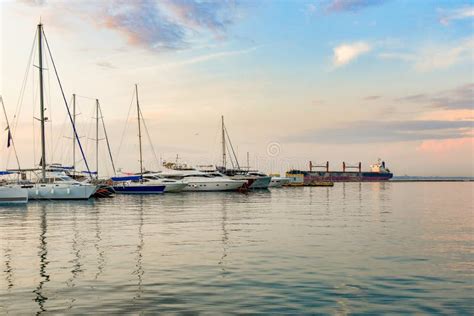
73	134
139	134
97	137
223	144
41	88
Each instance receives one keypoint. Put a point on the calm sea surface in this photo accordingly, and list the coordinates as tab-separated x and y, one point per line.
354	248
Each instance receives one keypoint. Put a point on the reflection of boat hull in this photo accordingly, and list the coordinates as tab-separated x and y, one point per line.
139	189
339	176
46	191
13	195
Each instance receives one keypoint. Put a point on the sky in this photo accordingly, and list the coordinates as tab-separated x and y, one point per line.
319	80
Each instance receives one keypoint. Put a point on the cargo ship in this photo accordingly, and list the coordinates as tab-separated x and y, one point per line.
379	172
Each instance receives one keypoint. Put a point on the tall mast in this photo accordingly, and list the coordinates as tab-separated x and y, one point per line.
97	137
223	144
41	88
139	134
73	134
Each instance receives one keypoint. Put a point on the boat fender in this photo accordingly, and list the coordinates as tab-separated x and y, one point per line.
52	191
68	191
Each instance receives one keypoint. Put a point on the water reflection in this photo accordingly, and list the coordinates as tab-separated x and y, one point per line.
43	255
97	245
139	271
225	236
8	268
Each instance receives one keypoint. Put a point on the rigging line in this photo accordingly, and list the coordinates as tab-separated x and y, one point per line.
67	107
61	134
232	147
50	109
88	134
19	102
35	91
84	97
10	136
107	139
230	157
125	125
149	139
25	81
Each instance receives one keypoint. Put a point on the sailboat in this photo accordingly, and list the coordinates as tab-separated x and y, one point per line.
137	184
53	184
255	179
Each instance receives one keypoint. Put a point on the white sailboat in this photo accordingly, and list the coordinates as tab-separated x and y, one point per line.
53	185
137	184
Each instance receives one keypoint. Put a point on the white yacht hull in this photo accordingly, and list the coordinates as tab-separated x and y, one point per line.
261	183
278	182
46	191
254	182
213	186
174	187
13	195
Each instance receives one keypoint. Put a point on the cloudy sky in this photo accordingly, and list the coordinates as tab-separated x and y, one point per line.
337	80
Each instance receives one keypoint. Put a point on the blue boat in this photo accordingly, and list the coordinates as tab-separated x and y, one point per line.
138	188
135	185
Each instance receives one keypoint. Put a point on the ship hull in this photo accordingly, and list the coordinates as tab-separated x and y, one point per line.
308	178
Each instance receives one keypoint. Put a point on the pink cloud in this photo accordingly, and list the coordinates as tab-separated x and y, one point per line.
446	145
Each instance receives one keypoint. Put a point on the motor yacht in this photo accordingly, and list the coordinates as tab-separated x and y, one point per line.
171	185
203	181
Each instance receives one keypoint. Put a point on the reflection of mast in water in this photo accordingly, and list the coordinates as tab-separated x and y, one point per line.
344	202
8	268
43	253
76	268
100	252
139	266
225	236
